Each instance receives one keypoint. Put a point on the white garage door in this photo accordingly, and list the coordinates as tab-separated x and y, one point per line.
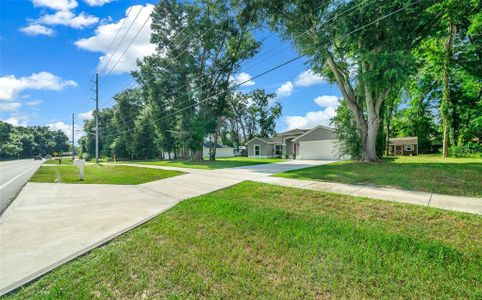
318	150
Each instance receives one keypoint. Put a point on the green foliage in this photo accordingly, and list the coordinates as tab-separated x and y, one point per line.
251	114
466	150
348	140
189	90
128	106
20	142
366	64
145	135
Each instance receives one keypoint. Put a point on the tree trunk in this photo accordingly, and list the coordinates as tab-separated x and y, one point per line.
445	149
389	118
366	130
444	107
197	154
212	148
371	142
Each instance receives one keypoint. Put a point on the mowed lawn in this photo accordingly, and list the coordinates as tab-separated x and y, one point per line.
219	163
100	174
63	161
454	176
254	241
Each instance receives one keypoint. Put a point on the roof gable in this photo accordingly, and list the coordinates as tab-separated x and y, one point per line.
295	131
313	130
264	140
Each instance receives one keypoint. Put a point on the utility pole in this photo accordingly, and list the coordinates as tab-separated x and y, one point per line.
73	139
96	117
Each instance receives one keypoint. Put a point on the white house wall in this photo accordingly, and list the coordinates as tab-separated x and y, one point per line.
220	152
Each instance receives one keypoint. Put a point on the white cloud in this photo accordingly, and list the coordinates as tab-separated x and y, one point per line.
327	101
314	118
105	33
37	29
9	106
243	77
86	115
33	103
17	120
67	129
10	86
56	4
285	90
63	15
68	18
311	119
308	78
97	2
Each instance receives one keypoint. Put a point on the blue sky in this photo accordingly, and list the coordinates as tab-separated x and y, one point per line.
51	48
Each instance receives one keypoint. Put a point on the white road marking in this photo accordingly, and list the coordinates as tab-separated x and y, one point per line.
16	177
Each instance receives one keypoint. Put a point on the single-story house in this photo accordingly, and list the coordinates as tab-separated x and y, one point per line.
315	143
221	150
403	146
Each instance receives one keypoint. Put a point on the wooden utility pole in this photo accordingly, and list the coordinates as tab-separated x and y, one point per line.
73	139
96	117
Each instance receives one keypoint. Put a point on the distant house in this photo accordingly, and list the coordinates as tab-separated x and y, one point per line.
315	143
221	150
403	146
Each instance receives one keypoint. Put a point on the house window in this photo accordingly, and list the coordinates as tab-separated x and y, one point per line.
256	150
408	148
278	150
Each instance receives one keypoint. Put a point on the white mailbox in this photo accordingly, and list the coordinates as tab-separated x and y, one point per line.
80	163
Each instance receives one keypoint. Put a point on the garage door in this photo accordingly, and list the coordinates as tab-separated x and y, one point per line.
318	150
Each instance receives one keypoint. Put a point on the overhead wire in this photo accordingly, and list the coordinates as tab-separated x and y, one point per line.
271	69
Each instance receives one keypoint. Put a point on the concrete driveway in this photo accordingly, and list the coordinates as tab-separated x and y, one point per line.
52	223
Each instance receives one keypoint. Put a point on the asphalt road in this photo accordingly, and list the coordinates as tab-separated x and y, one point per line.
13	176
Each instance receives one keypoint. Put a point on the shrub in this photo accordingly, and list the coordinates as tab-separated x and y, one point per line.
86	156
467	150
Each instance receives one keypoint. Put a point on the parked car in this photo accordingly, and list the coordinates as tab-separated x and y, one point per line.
37	157
48	156
241	151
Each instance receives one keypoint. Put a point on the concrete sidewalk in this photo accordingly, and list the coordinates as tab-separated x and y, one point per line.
449	202
51	223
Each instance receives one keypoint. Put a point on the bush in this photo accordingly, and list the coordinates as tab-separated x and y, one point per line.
86	156
467	150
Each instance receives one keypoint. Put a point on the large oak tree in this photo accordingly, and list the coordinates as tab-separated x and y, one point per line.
363	46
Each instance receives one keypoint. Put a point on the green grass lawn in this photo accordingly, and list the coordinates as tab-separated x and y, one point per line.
261	241
219	163
101	174
64	161
454	176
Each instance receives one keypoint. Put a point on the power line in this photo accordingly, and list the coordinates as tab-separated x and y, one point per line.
298	35
150	16
115	36
276	67
86	93
122	39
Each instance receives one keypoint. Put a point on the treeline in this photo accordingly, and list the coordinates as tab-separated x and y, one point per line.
130	130
187	93
404	68
439	99
25	142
